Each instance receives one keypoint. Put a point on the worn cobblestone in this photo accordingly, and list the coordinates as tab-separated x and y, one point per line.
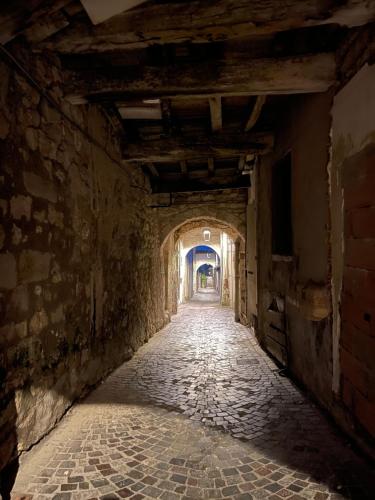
199	412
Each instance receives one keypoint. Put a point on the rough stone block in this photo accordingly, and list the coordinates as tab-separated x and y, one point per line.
19	301
38	410
3	207
13	333
31	136
20	206
20	329
58	314
34	266
16	235
37	186
2	237
55	217
38	322
48	146
4	126
8	271
50	114
39	216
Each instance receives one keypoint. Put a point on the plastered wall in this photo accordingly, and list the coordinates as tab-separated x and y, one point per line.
302	280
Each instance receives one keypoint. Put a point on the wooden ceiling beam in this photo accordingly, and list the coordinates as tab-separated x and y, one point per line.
184	170
251	122
152	169
231	75
255	113
201	22
20	16
196	185
183	148
229	172
215	112
114	118
211	166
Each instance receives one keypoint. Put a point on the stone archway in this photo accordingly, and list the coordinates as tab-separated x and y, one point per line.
173	230
226	210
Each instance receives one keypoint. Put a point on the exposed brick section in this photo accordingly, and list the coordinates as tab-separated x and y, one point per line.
358	301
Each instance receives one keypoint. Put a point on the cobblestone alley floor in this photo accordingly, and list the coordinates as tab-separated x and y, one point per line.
199	412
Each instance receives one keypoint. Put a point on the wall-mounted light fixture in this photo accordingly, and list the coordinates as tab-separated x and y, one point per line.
206	235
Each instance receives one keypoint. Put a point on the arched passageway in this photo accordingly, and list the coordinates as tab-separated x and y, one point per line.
199	241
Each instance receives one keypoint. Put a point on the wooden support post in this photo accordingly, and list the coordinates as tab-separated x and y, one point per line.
241	163
211	166
257	109
215	112
153	170
237	280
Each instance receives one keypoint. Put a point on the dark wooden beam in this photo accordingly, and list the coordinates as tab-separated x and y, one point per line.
189	148
255	112
152	169
211	166
241	163
184	170
21	15
233	75
201	22
251	122
114	118
229	173
213	183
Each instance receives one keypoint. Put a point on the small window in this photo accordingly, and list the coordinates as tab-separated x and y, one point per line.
282	235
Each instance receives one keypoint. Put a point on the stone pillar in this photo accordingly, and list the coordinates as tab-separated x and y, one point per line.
237	280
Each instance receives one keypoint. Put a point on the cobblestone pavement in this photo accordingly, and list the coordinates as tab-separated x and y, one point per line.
205	295
199	412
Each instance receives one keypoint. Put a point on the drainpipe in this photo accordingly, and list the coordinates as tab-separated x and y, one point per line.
237	280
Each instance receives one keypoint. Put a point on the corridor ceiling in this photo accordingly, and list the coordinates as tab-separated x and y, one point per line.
194	88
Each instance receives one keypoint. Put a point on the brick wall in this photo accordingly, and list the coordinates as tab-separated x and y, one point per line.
357	342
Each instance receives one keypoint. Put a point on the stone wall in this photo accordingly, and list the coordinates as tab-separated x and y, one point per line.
80	273
290	288
227	206
353	216
251	254
171	280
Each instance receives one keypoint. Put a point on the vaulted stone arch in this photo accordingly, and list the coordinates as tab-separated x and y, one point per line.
226	210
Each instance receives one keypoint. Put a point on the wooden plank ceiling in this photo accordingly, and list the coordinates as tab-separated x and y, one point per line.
195	88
